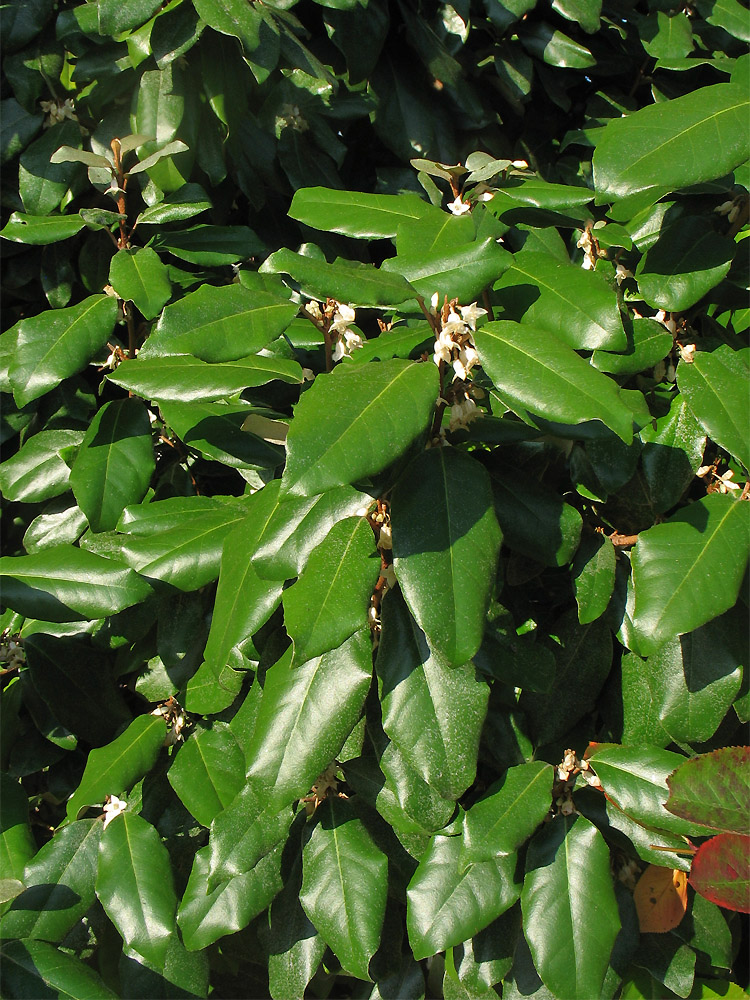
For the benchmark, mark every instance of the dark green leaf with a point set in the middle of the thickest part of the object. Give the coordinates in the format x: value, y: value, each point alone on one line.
x: 114, y: 464
x: 38, y: 471
x: 295, y: 947
x: 38, y: 970
x: 460, y: 272
x: 352, y: 213
x: 17, y: 844
x: 39, y: 230
x: 508, y: 813
x: 116, y: 16
x: 207, y: 772
x: 555, y: 48
x: 218, y: 432
x: 358, y: 285
x: 685, y: 263
x: 672, y: 452
x: 647, y: 346
x: 713, y: 386
x: 567, y: 882
x: 139, y: 276
x: 446, y: 564
x: 186, y: 202
x: 41, y: 183
x: 210, y: 245
x: 593, y: 573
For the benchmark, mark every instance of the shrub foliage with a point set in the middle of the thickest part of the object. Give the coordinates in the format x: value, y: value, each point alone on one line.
x: 376, y: 435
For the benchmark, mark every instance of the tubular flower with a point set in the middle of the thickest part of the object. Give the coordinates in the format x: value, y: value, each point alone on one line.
x: 347, y: 340
x: 455, y: 342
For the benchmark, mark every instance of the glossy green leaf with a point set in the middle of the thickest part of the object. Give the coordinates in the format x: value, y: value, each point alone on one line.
x: 59, y: 885
x: 341, y: 422
x: 713, y: 386
x: 344, y: 885
x: 695, y: 678
x: 207, y: 772
x: 40, y: 230
x: 244, y: 602
x: 219, y: 324
x: 648, y: 344
x: 17, y: 130
x: 43, y: 184
x: 139, y: 276
x: 74, y: 680
x: 669, y: 961
x: 711, y: 789
x: 535, y: 520
x: 176, y: 146
x: 432, y: 709
x: 134, y: 885
x: 688, y: 569
x: 186, y: 379
x: 210, y: 245
x: 38, y: 471
x: 217, y: 431
x: 577, y: 306
x: 669, y: 146
x: 357, y: 285
x: 685, y: 263
x: 115, y: 17
x: 508, y: 813
x: 114, y: 464
x: 40, y: 970
x: 330, y: 600
x: 583, y: 661
x: 295, y: 947
x: 17, y: 844
x: 204, y: 917
x: 673, y: 448
x: 435, y: 231
x: 66, y: 584
x: 721, y: 871
x: 114, y: 769
x: 256, y: 32
x: 460, y: 272
x: 730, y: 15
x: 635, y: 779
x: 593, y: 573
x: 555, y: 48
x: 186, y: 202
x: 67, y: 154
x: 446, y: 565
x: 353, y: 213
x: 449, y: 901
x: 305, y: 715
x: 568, y: 895
x: 299, y: 525
x: 535, y: 372
x: 59, y: 343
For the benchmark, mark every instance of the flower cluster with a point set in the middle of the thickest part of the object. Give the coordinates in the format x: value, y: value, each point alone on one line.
x: 12, y: 652
x: 455, y: 342
x: 335, y: 317
x: 57, y: 112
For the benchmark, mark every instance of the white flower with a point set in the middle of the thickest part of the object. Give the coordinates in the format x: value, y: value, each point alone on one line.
x: 349, y: 341
x: 342, y: 317
x: 622, y: 273
x: 670, y: 324
x: 385, y: 541
x: 112, y: 808
x: 470, y: 314
x: 462, y: 413
x: 58, y: 111
x: 389, y: 575
x: 459, y: 207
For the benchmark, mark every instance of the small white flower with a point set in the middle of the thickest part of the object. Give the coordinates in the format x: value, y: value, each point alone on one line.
x: 459, y: 207
x: 112, y: 808
x: 724, y: 209
x: 470, y: 314
x: 389, y: 575
x: 58, y: 111
x: 687, y: 353
x: 669, y: 323
x: 342, y: 317
x: 348, y: 342
x: 520, y: 164
x: 622, y: 274
x: 462, y: 414
x: 385, y: 540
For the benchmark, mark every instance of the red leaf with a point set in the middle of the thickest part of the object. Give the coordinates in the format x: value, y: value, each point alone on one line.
x: 721, y: 871
x: 660, y: 899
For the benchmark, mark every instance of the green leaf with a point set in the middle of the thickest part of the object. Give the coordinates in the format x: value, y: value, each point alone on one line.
x: 43, y: 184
x: 344, y: 885
x: 635, y: 779
x: 67, y: 154
x: 139, y: 276
x: 721, y: 871
x: 186, y: 202
x: 219, y: 324
x: 210, y: 245
x: 582, y: 665
x: 555, y: 47
x: 508, y: 813
x: 330, y: 600
x: 299, y: 525
x: 711, y: 790
x: 73, y: 679
x: 66, y: 584
x: 17, y: 130
x: 593, y: 574
x: 295, y: 947
x: 567, y: 882
x: 114, y: 769
x: 134, y: 885
x: 534, y: 520
x: 341, y: 422
x: 38, y: 471
x: 207, y: 772
x: 669, y: 961
x: 666, y: 36
x: 449, y: 901
x: 435, y: 231
x: 114, y: 464
x: 59, y: 885
x: 536, y: 372
x: 353, y: 213
x: 446, y: 564
x: 669, y: 146
x: 460, y: 272
x: 186, y: 379
x: 685, y: 263
x: 17, y: 844
x: 40, y: 230
x: 306, y: 713
x: 38, y: 969
x: 577, y: 306
x: 695, y: 678
x: 672, y: 453
x: 730, y: 15
x: 116, y: 17
x: 675, y: 563
x: 204, y: 917
x: 176, y: 146
x: 355, y: 284
x: 217, y: 431
x: 257, y: 32
x: 713, y: 386
x: 648, y: 344
x: 432, y: 710
x: 59, y: 343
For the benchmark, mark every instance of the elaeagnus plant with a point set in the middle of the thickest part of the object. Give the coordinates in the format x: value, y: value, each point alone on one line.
x: 375, y: 481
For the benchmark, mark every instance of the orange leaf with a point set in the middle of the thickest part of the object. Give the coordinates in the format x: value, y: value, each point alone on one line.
x: 660, y: 899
